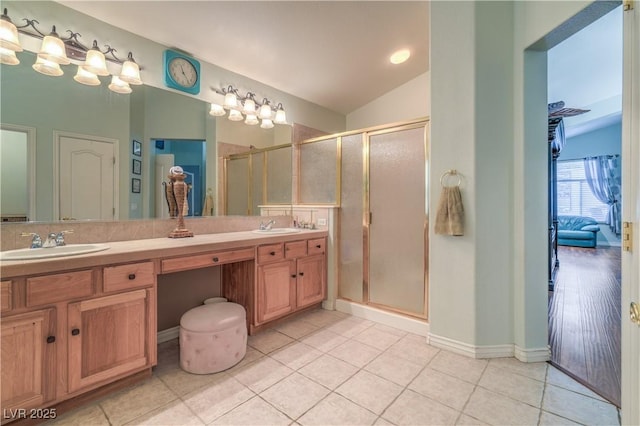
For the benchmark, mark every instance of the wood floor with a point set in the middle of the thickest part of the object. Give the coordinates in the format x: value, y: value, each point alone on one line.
x: 584, y: 318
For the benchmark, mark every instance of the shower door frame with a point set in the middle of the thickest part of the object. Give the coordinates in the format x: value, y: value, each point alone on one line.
x: 367, y: 216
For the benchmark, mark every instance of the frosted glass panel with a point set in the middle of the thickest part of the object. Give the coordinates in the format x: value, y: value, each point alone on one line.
x: 238, y: 186
x: 257, y: 177
x: 397, y: 204
x: 351, y: 231
x: 318, y: 172
x: 279, y: 176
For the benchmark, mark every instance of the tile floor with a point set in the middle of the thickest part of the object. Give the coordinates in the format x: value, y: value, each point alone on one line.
x: 329, y: 368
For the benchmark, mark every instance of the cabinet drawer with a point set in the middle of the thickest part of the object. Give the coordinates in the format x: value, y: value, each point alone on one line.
x: 124, y: 277
x: 295, y: 249
x: 58, y: 288
x: 270, y: 252
x: 205, y: 260
x: 316, y: 246
x: 5, y: 291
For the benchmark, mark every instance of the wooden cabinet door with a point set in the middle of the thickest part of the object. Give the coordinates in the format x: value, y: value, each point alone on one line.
x: 109, y: 336
x: 311, y: 280
x: 275, y: 295
x: 28, y: 360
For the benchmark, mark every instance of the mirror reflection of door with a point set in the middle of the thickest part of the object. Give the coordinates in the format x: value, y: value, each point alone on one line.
x: 86, y: 177
x: 191, y: 156
x: 17, y: 173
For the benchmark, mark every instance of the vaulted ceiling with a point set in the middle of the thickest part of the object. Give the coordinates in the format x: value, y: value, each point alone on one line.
x: 332, y: 53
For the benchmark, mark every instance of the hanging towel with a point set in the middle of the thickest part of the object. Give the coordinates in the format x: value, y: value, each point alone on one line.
x: 207, y: 209
x: 450, y: 214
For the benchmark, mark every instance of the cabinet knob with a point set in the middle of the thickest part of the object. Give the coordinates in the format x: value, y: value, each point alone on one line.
x: 301, y: 274
x: 293, y: 276
x: 51, y: 339
x: 215, y: 259
x: 318, y: 246
x: 75, y: 331
x: 273, y: 253
x: 132, y: 276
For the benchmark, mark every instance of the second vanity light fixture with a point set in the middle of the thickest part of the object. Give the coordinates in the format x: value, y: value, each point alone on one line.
x: 56, y: 51
x: 247, y: 108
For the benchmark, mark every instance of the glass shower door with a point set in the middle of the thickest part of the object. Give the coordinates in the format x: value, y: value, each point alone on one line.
x: 397, y: 202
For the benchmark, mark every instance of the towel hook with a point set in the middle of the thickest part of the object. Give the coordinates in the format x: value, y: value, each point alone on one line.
x: 451, y: 172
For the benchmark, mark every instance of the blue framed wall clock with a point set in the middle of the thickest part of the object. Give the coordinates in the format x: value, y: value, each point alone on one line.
x: 181, y: 72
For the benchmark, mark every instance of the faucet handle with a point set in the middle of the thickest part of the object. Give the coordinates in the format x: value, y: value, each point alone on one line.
x: 60, y: 237
x: 36, y: 241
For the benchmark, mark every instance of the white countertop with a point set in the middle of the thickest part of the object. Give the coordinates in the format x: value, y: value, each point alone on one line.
x: 147, y: 249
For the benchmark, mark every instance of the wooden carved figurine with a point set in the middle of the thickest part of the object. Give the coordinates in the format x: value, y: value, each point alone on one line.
x: 179, y: 192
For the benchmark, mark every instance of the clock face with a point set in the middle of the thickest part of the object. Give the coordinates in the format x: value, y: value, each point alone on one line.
x: 183, y: 72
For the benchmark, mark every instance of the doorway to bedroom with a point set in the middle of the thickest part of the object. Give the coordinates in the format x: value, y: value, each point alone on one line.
x: 585, y: 72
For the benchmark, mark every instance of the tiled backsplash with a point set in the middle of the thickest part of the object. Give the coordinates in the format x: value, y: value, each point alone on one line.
x: 108, y: 231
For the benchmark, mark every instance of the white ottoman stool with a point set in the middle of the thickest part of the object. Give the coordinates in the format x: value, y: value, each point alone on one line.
x: 213, y: 337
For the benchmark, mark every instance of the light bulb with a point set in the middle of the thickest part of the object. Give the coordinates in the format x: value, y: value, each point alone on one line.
x: 251, y: 120
x: 95, y: 63
x: 53, y: 49
x: 281, y: 116
x: 8, y: 57
x: 235, y: 115
x: 217, y: 110
x: 249, y: 106
x: 231, y: 100
x: 130, y: 71
x: 85, y: 77
x: 266, y: 123
x: 265, y: 111
x: 119, y: 86
x: 9, y: 34
x: 46, y: 67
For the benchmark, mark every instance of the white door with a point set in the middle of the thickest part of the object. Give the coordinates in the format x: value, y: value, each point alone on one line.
x: 164, y: 162
x: 631, y: 213
x: 86, y: 171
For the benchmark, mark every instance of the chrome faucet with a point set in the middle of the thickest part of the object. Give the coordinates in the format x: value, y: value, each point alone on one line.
x: 36, y: 241
x: 53, y: 239
x: 50, y: 241
x: 267, y: 226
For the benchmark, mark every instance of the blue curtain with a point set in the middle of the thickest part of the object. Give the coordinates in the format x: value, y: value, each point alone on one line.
x: 604, y: 178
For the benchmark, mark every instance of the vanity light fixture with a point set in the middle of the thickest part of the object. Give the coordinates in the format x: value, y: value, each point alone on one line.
x: 254, y: 112
x: 56, y: 51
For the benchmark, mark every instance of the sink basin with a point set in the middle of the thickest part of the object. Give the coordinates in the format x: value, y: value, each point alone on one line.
x: 276, y: 231
x: 45, y: 253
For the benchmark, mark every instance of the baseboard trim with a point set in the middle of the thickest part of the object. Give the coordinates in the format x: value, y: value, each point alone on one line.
x: 533, y: 355
x: 391, y: 319
x: 490, y: 351
x: 472, y: 351
x: 169, y: 334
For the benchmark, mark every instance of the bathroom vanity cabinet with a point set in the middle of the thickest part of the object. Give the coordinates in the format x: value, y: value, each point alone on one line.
x: 83, y: 325
x: 64, y: 334
x: 291, y: 276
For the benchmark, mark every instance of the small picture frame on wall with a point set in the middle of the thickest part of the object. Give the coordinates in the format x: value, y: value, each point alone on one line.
x: 137, y: 167
x: 135, y: 185
x: 137, y: 148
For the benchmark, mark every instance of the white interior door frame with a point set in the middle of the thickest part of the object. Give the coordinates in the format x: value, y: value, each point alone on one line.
x: 631, y: 212
x: 31, y: 163
x: 57, y: 136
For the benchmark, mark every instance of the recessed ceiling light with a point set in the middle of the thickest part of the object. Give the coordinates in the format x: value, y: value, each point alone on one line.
x: 399, y: 56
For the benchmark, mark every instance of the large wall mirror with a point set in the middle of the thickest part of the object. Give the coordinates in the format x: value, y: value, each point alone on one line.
x: 66, y: 121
